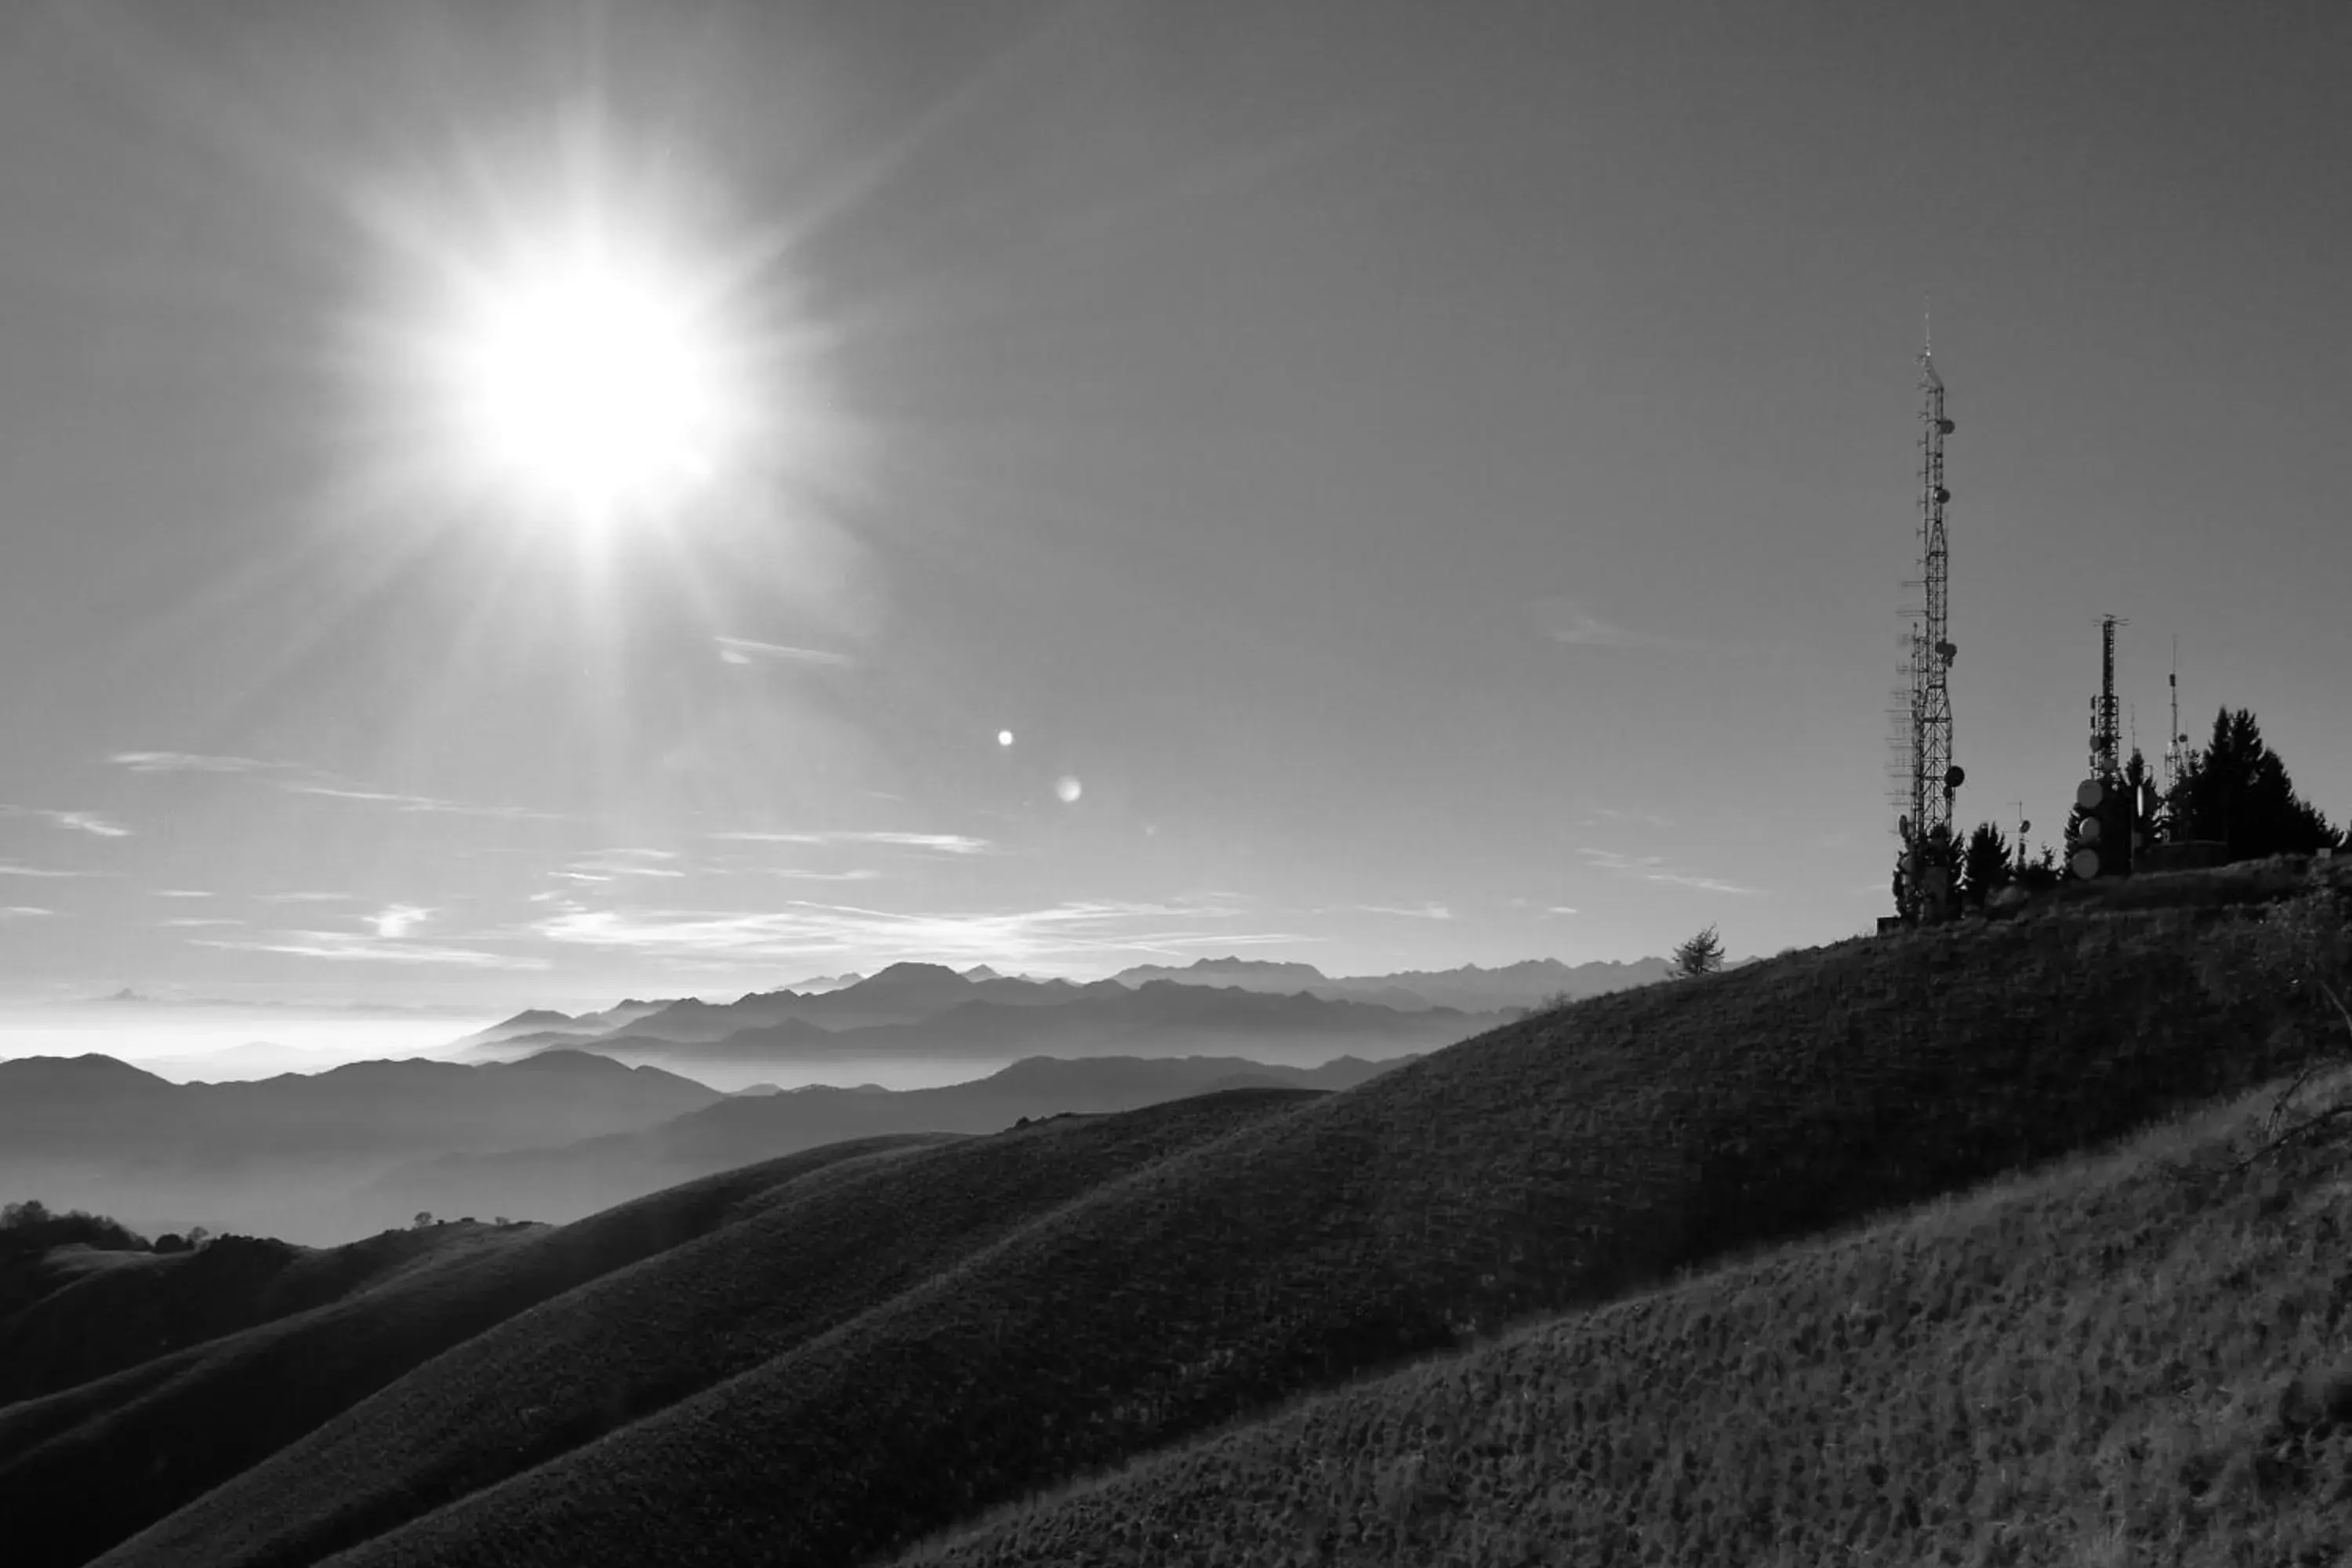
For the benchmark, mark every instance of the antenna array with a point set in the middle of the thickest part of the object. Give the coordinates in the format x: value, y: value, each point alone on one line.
x: 1920, y: 762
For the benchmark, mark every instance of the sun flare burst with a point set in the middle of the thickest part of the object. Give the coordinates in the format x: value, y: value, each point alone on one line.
x: 577, y: 349
x: 591, y: 379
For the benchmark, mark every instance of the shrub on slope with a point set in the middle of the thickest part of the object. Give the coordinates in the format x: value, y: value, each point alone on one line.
x: 1547, y: 1165
x: 85, y: 1467
x: 2133, y: 1358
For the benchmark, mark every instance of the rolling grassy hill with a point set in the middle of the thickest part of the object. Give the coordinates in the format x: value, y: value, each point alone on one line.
x: 155, y: 1436
x: 1551, y: 1165
x: 2138, y: 1356
x: 79, y: 1314
x: 572, y: 1180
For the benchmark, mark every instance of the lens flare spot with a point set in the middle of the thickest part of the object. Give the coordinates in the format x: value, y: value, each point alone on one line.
x: 1004, y: 737
x: 1068, y: 788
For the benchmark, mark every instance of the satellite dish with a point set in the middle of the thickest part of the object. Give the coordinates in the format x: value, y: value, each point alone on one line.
x: 2089, y: 793
x: 1954, y: 777
x: 2089, y: 831
x: 1903, y: 824
x: 1946, y: 426
x: 2084, y: 864
x: 2024, y: 828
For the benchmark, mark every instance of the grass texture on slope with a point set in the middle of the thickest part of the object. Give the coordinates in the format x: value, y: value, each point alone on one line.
x: 2139, y: 1357
x: 83, y: 1469
x: 106, y: 1311
x: 1545, y: 1166
x: 802, y: 1260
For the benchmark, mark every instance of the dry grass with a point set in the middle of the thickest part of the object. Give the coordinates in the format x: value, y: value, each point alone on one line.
x: 2135, y: 1359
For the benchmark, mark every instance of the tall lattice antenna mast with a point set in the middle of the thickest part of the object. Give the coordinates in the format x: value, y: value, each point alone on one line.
x: 2173, y: 737
x: 1926, y: 824
x: 2106, y: 742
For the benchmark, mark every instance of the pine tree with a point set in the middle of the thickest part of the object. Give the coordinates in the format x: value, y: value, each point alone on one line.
x: 2236, y: 791
x: 1700, y: 954
x: 1985, y: 866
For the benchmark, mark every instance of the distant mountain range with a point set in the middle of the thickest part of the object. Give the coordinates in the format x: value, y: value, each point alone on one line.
x: 1469, y: 988
x: 321, y: 1158
x: 276, y: 1156
x: 930, y: 1011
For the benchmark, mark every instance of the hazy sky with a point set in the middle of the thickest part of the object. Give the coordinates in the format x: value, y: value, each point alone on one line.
x: 1437, y: 476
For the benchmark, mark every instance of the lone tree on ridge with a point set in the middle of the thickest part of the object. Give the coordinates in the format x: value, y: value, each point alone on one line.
x: 1700, y: 954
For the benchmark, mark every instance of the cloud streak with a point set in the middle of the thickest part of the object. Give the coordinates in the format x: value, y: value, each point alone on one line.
x: 188, y: 762
x: 1565, y: 622
x: 1407, y: 912
x: 416, y: 803
x: 346, y: 946
x: 10, y: 869
x: 746, y: 650
x: 940, y: 842
x: 1653, y: 868
x: 88, y: 822
x: 805, y: 929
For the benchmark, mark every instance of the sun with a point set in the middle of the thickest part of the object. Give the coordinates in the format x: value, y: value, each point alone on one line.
x: 590, y: 377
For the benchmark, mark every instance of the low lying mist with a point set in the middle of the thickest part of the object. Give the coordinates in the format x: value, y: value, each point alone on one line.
x: 225, y: 1042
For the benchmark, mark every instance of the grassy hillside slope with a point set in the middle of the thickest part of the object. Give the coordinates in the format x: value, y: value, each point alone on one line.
x: 567, y: 1182
x: 2139, y: 1357
x: 151, y: 1437
x: 78, y: 1315
x: 799, y: 1261
x: 1545, y: 1167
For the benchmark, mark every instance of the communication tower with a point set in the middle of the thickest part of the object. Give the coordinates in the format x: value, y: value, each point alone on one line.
x: 2106, y: 737
x: 1927, y: 776
x: 2175, y: 740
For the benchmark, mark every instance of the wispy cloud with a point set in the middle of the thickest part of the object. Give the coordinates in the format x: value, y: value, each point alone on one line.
x: 190, y: 923
x: 619, y: 863
x: 1409, y: 911
x: 74, y: 821
x: 861, y: 874
x: 417, y: 803
x: 302, y: 898
x: 745, y: 650
x: 181, y: 893
x: 1653, y: 868
x: 1642, y: 818
x: 10, y: 869
x: 188, y: 762
x: 1564, y: 621
x: 22, y: 911
x: 944, y: 843
x: 396, y: 921
x: 1559, y: 909
x: 812, y: 929
x: 346, y: 945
